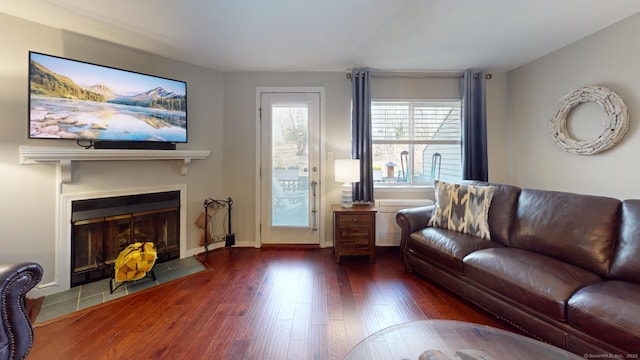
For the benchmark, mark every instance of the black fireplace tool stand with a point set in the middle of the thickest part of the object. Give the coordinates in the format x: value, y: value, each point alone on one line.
x: 229, y: 237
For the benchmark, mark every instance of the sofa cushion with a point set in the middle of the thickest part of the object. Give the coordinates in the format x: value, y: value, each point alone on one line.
x: 626, y: 263
x: 463, y: 208
x: 578, y: 229
x: 609, y: 311
x: 445, y: 248
x: 536, y: 281
x: 502, y: 210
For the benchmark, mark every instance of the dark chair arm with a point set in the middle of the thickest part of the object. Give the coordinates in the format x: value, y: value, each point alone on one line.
x: 412, y: 220
x: 16, y: 334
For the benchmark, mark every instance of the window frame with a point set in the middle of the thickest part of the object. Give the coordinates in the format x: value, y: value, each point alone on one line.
x: 412, y: 141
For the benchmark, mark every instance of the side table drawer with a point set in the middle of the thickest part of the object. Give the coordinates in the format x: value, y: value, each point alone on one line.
x: 352, y: 241
x: 354, y: 232
x: 354, y: 219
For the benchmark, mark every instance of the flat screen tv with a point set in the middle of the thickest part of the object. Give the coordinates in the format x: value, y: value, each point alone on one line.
x: 71, y: 99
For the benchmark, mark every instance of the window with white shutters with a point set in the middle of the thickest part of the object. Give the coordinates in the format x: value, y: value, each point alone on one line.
x: 416, y: 142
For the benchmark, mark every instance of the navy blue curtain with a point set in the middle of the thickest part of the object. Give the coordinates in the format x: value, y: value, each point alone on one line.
x: 474, y: 126
x: 361, y: 133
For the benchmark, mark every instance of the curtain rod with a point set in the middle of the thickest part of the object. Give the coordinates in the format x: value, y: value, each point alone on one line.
x: 416, y: 75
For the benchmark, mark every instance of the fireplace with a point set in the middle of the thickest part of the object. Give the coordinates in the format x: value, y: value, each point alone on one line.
x: 102, y: 227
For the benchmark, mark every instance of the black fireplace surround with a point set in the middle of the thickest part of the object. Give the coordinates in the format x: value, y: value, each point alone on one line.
x: 103, y: 227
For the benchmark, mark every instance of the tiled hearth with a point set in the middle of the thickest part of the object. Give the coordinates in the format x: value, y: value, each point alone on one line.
x: 84, y: 296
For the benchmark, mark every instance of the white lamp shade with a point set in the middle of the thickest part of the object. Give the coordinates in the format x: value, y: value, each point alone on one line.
x: 347, y: 170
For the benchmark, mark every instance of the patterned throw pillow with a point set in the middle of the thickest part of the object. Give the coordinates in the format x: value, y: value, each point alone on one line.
x: 463, y: 208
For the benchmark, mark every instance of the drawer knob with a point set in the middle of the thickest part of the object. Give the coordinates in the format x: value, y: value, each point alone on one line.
x: 354, y: 220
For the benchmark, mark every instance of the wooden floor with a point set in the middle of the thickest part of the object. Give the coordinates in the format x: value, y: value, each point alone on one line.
x: 270, y: 303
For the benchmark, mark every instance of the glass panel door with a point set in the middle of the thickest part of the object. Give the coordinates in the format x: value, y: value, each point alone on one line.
x: 290, y: 167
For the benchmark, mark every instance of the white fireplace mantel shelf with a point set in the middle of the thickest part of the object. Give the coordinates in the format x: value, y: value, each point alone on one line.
x: 65, y: 156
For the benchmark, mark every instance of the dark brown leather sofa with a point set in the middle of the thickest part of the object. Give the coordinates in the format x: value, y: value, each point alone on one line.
x: 16, y: 334
x: 563, y: 267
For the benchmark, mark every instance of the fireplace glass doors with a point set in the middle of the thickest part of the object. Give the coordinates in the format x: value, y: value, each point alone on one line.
x: 103, y: 227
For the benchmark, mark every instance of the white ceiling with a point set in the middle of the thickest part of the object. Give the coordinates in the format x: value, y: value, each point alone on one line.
x: 328, y: 35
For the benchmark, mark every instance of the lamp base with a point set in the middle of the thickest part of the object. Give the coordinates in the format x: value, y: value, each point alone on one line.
x: 347, y: 196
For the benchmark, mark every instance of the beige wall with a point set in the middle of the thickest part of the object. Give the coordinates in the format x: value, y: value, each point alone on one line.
x: 28, y: 199
x: 607, y: 58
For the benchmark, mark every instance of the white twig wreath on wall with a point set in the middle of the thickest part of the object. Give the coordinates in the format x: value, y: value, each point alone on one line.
x: 616, y: 124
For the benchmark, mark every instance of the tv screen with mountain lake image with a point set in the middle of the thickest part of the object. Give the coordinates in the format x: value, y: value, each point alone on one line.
x: 70, y: 99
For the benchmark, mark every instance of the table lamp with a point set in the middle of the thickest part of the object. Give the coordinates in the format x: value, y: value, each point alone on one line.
x: 347, y: 171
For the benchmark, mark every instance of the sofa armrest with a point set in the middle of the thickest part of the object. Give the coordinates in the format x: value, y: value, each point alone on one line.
x: 411, y: 220
x: 16, y: 333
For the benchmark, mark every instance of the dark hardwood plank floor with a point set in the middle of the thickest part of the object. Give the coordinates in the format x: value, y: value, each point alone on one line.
x: 269, y: 303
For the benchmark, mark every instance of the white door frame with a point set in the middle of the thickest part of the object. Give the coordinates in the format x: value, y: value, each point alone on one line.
x: 258, y: 135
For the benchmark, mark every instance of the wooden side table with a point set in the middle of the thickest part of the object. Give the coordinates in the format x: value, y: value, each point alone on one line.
x: 354, y: 231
